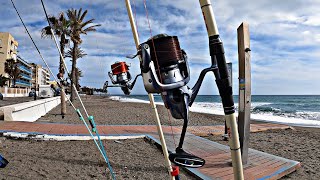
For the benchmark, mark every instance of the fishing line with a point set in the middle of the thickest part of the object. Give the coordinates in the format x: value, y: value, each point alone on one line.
x: 101, y: 151
x: 64, y: 63
x: 135, y: 17
x: 157, y: 64
x: 90, y: 118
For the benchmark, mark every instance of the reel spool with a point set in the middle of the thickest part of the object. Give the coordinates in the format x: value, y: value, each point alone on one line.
x: 165, y: 70
x: 121, y: 72
x: 120, y: 77
x: 164, y: 64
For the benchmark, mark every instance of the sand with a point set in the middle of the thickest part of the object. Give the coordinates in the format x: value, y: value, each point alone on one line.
x: 111, y: 112
x: 130, y: 159
x: 300, y: 144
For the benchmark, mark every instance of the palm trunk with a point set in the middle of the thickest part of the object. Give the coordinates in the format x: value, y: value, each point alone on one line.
x: 61, y: 70
x: 77, y: 80
x: 73, y: 71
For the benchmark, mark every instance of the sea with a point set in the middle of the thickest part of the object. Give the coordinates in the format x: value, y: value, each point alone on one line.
x: 296, y: 110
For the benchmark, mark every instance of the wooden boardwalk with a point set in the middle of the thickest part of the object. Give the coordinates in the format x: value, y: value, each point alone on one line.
x: 261, y: 165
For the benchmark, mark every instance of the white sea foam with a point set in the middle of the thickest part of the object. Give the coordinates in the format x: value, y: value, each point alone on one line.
x: 216, y: 108
x: 133, y: 100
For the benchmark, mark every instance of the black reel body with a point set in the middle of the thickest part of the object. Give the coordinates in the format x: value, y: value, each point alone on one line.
x: 165, y: 70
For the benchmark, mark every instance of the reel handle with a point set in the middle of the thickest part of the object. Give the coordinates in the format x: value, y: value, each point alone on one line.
x: 134, y: 82
x: 198, y: 84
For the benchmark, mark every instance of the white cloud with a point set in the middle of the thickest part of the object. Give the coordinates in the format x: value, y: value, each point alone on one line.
x: 285, y: 38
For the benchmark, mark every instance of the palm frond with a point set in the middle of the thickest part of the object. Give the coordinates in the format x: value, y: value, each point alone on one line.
x: 86, y: 23
x: 79, y: 53
x: 79, y: 13
x: 91, y: 28
x: 83, y: 15
x: 46, y: 32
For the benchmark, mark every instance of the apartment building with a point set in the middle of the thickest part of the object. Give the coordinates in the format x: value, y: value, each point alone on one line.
x: 8, y: 49
x: 25, y: 74
x: 40, y: 75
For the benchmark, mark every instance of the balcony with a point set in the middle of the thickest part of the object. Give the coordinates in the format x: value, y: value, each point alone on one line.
x: 24, y: 83
x: 23, y: 68
x: 26, y: 77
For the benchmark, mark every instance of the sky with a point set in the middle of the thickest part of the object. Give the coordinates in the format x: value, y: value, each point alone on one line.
x: 285, y: 39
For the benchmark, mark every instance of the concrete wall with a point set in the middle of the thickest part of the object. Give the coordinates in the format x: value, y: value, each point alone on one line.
x: 29, y: 111
x: 14, y: 92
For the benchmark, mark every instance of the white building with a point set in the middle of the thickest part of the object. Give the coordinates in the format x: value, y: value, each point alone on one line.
x: 40, y: 75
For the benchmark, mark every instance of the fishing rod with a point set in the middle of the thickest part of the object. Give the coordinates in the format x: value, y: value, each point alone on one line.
x: 120, y: 77
x: 224, y: 85
x: 165, y: 70
x: 173, y: 170
x: 90, y: 118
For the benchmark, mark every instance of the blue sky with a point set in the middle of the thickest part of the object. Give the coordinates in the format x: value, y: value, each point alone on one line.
x: 285, y: 38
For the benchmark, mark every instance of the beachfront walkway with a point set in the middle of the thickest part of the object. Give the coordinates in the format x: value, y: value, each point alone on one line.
x: 261, y: 165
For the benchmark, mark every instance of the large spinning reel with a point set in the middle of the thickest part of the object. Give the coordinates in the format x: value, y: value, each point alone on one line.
x: 120, y: 77
x: 165, y: 70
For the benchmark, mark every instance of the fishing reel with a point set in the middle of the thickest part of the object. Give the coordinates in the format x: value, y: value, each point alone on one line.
x: 165, y: 70
x: 120, y: 77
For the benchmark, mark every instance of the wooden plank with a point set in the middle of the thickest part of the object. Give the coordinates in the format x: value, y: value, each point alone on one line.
x: 270, y: 169
x: 279, y: 171
x: 262, y: 164
x: 244, y: 89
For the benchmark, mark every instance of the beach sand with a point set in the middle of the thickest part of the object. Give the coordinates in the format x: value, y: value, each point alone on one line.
x: 300, y: 144
x: 112, y: 112
x: 130, y: 159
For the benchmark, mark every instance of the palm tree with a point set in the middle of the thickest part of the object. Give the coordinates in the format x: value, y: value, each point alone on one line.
x: 60, y: 27
x: 79, y: 53
x: 3, y: 80
x: 78, y: 75
x: 77, y: 27
x: 12, y: 69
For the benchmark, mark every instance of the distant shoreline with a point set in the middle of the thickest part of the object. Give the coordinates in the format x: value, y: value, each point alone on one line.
x: 254, y: 117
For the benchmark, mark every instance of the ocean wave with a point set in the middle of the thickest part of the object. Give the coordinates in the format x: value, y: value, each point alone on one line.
x: 133, y: 100
x: 261, y: 111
